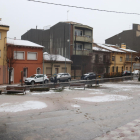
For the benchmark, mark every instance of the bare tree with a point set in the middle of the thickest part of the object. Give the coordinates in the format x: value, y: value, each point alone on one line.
x: 11, y: 58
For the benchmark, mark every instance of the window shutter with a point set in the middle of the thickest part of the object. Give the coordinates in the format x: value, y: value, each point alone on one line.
x: 32, y: 56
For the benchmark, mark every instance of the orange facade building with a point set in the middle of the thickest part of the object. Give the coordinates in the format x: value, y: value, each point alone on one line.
x: 23, y: 56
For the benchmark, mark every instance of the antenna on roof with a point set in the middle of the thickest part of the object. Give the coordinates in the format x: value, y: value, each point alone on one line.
x: 67, y: 15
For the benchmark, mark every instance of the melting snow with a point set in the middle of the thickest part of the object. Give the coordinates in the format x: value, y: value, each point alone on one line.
x: 75, y: 105
x: 105, y: 98
x: 16, y: 107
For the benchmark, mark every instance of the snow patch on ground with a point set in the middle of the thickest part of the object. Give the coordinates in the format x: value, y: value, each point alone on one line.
x: 75, y: 105
x: 16, y: 107
x: 105, y: 98
x: 97, y: 93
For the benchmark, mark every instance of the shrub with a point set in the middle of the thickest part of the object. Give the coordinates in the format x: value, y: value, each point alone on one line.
x: 40, y: 89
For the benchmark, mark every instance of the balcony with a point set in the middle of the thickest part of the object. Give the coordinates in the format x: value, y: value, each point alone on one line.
x: 129, y: 60
x: 82, y: 52
x: 84, y: 38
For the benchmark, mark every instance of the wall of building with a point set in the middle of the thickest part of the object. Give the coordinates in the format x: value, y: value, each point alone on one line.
x: 3, y: 64
x: 117, y: 63
x: 59, y: 65
x: 54, y: 40
x: 130, y: 37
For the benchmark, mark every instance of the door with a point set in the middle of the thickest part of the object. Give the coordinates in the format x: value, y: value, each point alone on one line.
x: 39, y: 78
x: 56, y: 70
x: 25, y: 71
x: 12, y: 76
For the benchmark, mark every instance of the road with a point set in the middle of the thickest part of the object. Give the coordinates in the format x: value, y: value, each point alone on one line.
x: 67, y: 117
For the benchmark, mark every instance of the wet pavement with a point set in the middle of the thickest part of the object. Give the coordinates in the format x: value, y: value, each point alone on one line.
x: 75, y: 114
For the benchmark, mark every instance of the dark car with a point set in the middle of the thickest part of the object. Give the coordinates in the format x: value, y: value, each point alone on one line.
x: 88, y: 76
x: 126, y: 72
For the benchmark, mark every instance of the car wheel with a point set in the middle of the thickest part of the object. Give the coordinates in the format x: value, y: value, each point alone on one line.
x: 32, y: 82
x: 46, y: 81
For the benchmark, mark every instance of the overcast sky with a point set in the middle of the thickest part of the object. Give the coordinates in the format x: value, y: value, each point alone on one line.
x: 22, y: 15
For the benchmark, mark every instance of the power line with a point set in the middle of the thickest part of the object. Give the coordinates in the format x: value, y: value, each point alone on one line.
x: 85, y: 8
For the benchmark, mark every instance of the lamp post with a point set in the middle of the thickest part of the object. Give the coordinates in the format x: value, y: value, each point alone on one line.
x: 65, y: 55
x: 131, y: 63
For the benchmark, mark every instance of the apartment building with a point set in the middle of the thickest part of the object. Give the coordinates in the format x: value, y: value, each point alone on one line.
x: 129, y: 37
x: 69, y: 39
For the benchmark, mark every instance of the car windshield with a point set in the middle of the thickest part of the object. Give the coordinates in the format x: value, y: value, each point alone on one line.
x: 32, y: 76
x: 86, y: 74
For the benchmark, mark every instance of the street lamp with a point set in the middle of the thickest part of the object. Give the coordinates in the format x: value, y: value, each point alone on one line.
x: 131, y: 63
x: 65, y: 55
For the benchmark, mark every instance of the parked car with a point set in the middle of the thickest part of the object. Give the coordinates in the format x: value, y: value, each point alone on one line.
x: 88, y: 76
x: 61, y: 77
x: 135, y: 72
x: 36, y: 78
x: 126, y: 72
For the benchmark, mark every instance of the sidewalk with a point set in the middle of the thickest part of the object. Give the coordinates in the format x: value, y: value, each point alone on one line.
x: 130, y: 131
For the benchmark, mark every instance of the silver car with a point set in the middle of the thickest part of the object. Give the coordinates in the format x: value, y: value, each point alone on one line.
x: 61, y: 77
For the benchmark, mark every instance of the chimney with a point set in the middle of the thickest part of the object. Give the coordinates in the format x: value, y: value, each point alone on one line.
x: 14, y: 38
x: 36, y: 27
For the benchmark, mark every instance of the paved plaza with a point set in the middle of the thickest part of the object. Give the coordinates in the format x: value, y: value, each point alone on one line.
x: 108, y: 112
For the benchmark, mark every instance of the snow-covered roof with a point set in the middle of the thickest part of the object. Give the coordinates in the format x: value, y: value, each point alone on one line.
x: 106, y: 46
x: 27, y: 43
x: 55, y: 57
x: 2, y: 24
x: 99, y: 49
x: 128, y: 50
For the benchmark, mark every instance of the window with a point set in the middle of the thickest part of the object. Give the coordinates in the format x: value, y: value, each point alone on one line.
x: 104, y: 58
x: 96, y: 58
x: 32, y: 56
x: 0, y: 53
x: 112, y: 69
x: 18, y: 55
x: 116, y: 69
x: 127, y: 57
x: 126, y: 68
x: 121, y: 59
x: 113, y: 58
x: 78, y: 32
x: 38, y: 71
x: 79, y: 46
x: 48, y: 71
x: 0, y: 35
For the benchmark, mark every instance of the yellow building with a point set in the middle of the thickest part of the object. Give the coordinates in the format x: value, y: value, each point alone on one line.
x: 3, y: 64
x: 54, y: 64
x: 120, y: 58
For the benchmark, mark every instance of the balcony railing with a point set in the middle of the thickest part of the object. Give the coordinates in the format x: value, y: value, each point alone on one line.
x: 84, y: 38
x: 129, y: 59
x: 82, y: 52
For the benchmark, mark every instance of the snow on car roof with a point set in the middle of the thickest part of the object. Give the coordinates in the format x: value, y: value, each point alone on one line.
x: 18, y: 42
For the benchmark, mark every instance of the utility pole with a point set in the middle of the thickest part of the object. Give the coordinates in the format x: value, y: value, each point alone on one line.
x: 65, y: 48
x: 74, y: 58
